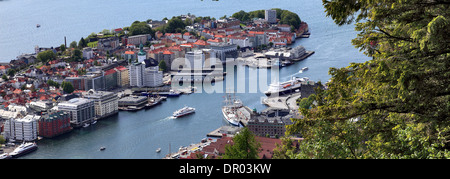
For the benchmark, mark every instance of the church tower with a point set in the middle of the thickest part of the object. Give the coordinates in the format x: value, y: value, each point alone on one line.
x: 141, y: 54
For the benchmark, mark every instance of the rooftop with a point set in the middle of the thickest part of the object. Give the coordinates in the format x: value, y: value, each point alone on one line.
x: 75, y: 102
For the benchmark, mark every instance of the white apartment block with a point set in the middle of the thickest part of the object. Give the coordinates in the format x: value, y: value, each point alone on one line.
x: 81, y: 110
x: 22, y: 129
x: 136, y: 73
x: 105, y: 102
x: 153, y: 77
x: 271, y: 16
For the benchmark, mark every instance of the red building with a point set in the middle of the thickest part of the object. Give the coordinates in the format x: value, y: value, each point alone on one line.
x: 54, y: 124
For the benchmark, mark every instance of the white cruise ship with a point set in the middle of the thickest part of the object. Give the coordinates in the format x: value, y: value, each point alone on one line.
x: 183, y: 111
x: 23, y: 149
x: 285, y: 87
x: 229, y: 111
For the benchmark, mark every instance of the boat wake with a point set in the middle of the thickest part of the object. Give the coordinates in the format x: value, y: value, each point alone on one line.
x: 168, y: 118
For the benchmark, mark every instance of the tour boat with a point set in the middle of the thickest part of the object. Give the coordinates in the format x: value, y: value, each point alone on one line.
x: 183, y: 111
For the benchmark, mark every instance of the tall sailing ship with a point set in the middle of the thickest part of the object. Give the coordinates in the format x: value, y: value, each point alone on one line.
x: 229, y: 111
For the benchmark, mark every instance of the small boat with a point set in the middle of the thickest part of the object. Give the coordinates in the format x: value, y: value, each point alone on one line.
x: 173, y: 93
x: 86, y: 125
x: 304, y: 68
x: 5, y: 156
x: 183, y: 111
x: 158, y: 150
x: 94, y: 122
x: 102, y: 148
x: 38, y: 25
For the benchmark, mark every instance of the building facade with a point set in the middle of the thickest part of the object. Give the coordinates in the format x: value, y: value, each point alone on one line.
x: 54, y: 124
x: 138, y: 39
x: 136, y: 74
x: 22, y: 129
x: 271, y: 121
x: 108, y: 44
x: 81, y: 110
x: 105, y: 103
x: 123, y: 79
x: 153, y: 77
x: 271, y: 16
x: 225, y: 51
x: 78, y: 83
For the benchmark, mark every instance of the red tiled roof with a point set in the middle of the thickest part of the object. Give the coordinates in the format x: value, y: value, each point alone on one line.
x: 201, y: 42
x: 111, y: 71
x: 215, y: 40
x: 256, y: 32
x: 166, y: 52
x: 17, y: 91
x: 121, y: 68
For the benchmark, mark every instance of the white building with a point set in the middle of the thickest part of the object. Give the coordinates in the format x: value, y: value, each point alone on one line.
x: 240, y: 41
x: 194, y: 59
x: 284, y: 28
x: 88, y: 53
x: 138, y: 39
x: 136, y: 73
x: 22, y: 129
x: 225, y: 52
x: 153, y: 77
x: 105, y: 102
x: 81, y: 110
x: 271, y: 16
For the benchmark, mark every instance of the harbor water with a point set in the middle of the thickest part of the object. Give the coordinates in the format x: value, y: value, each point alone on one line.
x: 138, y: 134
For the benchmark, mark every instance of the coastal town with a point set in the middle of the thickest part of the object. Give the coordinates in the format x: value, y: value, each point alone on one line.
x: 59, y: 89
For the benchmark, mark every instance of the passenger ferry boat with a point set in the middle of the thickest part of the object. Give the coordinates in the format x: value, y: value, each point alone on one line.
x: 183, y: 111
x: 286, y: 87
x: 23, y: 149
x: 229, y: 111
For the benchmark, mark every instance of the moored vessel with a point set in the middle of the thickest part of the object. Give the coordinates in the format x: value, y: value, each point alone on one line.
x: 23, y: 149
x: 229, y: 111
x: 286, y: 87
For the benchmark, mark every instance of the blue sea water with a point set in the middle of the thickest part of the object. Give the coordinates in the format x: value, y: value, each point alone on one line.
x: 139, y: 134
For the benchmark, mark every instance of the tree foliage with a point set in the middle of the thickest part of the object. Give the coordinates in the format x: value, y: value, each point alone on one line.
x: 138, y: 28
x: 285, y: 16
x: 290, y: 18
x: 46, y: 56
x: 395, y: 105
x: 245, y: 146
x: 241, y: 15
x: 162, y: 66
x: 53, y: 83
x: 175, y: 25
x: 67, y: 87
x: 82, y: 43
